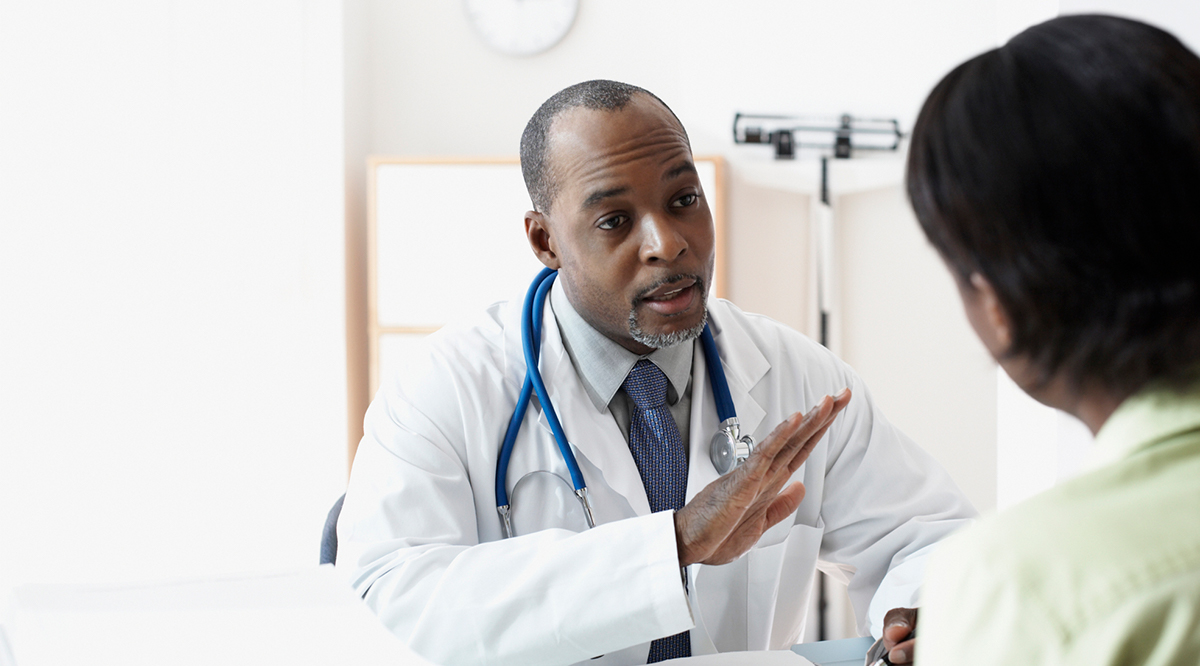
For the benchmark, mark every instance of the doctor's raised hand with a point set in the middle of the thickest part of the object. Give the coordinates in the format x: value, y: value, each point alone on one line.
x: 727, y: 517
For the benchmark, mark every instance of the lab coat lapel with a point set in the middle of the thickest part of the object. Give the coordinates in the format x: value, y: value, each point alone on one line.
x: 593, y: 434
x: 744, y: 366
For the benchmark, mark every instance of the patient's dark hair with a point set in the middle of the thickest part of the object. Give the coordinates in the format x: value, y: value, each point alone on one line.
x: 600, y: 95
x: 1064, y: 167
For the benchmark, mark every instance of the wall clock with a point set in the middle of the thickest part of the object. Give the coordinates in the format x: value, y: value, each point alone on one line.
x: 521, y: 27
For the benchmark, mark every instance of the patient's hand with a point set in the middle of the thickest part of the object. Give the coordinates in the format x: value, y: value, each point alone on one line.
x: 898, y: 625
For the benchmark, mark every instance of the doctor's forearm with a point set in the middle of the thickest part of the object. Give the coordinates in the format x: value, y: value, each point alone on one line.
x: 505, y: 601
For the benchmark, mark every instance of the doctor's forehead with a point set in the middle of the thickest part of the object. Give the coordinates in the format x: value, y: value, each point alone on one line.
x: 589, y: 146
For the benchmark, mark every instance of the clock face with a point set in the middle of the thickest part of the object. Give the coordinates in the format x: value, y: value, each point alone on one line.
x: 521, y: 27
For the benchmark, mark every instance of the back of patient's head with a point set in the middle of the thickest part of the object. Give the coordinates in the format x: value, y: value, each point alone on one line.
x: 1064, y: 168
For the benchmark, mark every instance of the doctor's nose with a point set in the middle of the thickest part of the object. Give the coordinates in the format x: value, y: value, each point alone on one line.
x: 661, y: 242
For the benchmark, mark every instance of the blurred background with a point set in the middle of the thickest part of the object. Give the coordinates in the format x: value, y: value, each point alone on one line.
x: 183, y: 215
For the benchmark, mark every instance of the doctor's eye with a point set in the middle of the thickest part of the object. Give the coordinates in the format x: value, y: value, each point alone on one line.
x: 610, y: 223
x: 685, y: 200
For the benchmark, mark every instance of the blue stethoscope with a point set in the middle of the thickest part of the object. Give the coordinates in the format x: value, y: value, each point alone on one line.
x: 728, y: 449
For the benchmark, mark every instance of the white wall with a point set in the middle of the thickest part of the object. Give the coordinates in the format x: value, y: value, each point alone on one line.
x: 437, y: 89
x: 429, y: 86
x: 1180, y: 17
x: 904, y: 331
x: 172, y: 364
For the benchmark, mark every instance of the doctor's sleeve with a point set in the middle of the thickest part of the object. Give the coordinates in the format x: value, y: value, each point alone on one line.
x: 409, y: 541
x: 886, y: 504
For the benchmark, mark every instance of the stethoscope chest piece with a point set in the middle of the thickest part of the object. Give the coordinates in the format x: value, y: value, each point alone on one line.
x: 729, y: 448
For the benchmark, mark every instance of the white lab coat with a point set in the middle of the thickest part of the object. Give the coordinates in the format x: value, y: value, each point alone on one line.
x: 421, y: 540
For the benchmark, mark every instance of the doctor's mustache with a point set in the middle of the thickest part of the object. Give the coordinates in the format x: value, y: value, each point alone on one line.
x: 679, y: 277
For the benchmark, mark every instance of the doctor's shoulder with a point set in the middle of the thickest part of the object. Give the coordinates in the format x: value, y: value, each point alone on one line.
x: 462, y: 357
x: 795, y: 358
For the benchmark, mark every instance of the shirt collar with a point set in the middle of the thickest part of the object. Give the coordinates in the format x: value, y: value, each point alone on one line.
x: 1146, y: 418
x: 603, y: 364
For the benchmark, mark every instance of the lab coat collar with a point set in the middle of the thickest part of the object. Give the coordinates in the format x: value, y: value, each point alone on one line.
x: 745, y: 365
x: 593, y: 434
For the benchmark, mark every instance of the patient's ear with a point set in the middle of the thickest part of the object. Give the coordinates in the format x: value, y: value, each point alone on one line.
x: 987, y: 315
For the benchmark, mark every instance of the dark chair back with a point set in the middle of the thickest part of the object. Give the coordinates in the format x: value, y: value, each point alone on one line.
x: 329, y: 534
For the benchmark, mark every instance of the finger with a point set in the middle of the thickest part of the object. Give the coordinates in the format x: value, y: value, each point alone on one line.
x: 839, y: 402
x: 806, y: 422
x: 704, y: 523
x: 801, y: 454
x: 895, y: 633
x: 782, y: 451
x: 817, y: 419
x: 786, y: 433
x: 903, y: 653
x: 801, y: 445
x: 758, y: 484
x: 755, y: 524
x: 898, y: 623
x: 755, y: 489
x: 779, y: 437
x: 784, y: 504
x: 842, y: 399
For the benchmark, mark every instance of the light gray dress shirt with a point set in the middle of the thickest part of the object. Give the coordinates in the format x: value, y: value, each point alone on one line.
x: 603, y: 365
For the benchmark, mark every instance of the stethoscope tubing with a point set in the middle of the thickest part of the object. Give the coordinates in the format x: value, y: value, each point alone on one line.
x: 514, y: 424
x: 716, y: 376
x: 531, y: 330
x: 539, y: 387
x: 532, y: 314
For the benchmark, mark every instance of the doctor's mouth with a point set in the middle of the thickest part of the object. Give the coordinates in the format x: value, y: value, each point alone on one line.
x: 672, y: 296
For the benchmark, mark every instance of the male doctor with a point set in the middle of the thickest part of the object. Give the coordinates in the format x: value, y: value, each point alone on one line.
x: 682, y: 560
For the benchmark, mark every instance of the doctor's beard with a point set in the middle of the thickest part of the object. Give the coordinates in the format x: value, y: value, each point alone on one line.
x: 664, y: 340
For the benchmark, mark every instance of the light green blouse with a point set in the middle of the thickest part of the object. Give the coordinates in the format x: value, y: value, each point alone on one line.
x: 1103, y: 569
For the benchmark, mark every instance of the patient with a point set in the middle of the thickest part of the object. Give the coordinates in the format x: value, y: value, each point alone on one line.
x: 1059, y: 178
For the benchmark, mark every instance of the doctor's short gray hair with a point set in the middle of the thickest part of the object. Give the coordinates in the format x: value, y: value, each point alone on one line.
x: 600, y: 95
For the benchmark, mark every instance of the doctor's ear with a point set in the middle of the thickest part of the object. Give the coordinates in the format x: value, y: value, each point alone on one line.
x: 537, y: 230
x: 989, y: 317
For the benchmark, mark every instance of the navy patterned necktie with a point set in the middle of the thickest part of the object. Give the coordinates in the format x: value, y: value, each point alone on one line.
x: 662, y: 463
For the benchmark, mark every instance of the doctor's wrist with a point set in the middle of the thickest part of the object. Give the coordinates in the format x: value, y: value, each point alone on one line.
x: 683, y: 575
x: 680, y: 548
